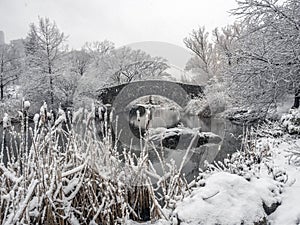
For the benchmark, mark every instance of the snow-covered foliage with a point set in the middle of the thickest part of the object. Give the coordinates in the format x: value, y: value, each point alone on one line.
x: 213, y: 102
x: 264, y: 67
x: 198, y: 106
x: 9, y: 106
x: 244, y: 189
x: 291, y: 121
x: 10, y: 68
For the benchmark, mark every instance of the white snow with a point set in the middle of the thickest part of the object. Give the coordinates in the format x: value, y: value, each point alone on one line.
x: 61, y: 118
x: 156, y: 134
x: 26, y: 105
x: 72, y: 171
x: 226, y: 199
x: 36, y: 118
x: 289, y: 211
x: 6, y: 121
x: 10, y: 174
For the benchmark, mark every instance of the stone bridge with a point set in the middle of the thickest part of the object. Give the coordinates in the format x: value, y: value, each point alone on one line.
x: 126, y: 93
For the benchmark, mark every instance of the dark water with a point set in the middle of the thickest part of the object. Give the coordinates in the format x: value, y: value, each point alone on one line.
x: 196, y: 157
x: 231, y: 141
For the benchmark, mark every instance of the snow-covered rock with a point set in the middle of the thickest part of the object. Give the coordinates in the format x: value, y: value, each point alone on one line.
x: 170, y: 137
x: 228, y: 199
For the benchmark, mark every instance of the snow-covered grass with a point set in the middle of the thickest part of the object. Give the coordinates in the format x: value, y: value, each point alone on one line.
x: 62, y: 172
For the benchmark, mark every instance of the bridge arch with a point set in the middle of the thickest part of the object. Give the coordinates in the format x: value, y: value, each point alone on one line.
x: 121, y: 96
x: 138, y: 89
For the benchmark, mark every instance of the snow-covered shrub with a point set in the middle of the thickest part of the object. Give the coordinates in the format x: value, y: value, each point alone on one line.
x: 291, y: 121
x: 247, y: 161
x: 9, y: 106
x: 216, y: 97
x: 198, y: 106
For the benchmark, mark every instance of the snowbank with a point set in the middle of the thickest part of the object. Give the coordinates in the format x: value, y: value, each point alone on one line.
x: 227, y: 199
x: 284, y: 150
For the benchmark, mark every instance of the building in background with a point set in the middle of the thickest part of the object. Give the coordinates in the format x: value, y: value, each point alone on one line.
x: 2, y: 40
x: 18, y: 44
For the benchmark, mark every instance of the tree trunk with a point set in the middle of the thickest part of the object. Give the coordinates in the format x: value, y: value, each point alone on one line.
x: 296, y: 99
x: 1, y: 82
x: 2, y: 91
x: 51, y: 90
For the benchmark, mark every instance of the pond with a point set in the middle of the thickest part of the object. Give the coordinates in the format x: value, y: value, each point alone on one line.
x: 228, y: 132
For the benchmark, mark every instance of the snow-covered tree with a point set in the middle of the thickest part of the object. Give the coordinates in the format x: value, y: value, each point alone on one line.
x: 80, y: 61
x: 117, y: 66
x: 98, y: 49
x: 268, y: 52
x: 125, y: 65
x: 225, y: 43
x: 10, y: 66
x: 44, y: 48
x: 204, y: 61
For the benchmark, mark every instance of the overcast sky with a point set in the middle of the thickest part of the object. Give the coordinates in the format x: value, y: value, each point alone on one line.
x: 120, y: 21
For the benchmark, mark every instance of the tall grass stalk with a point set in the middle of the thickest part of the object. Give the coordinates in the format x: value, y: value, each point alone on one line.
x: 64, y: 172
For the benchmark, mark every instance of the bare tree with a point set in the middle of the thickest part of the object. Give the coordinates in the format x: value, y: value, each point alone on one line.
x: 9, y: 66
x: 80, y: 61
x: 98, y: 49
x: 225, y: 39
x: 124, y: 65
x: 198, y: 42
x: 44, y: 49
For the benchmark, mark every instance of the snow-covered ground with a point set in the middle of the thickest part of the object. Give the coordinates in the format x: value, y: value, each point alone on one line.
x: 268, y: 195
x: 289, y: 211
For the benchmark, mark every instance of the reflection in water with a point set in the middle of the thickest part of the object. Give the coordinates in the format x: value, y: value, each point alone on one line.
x: 230, y: 134
x: 211, y: 152
x: 197, y: 156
